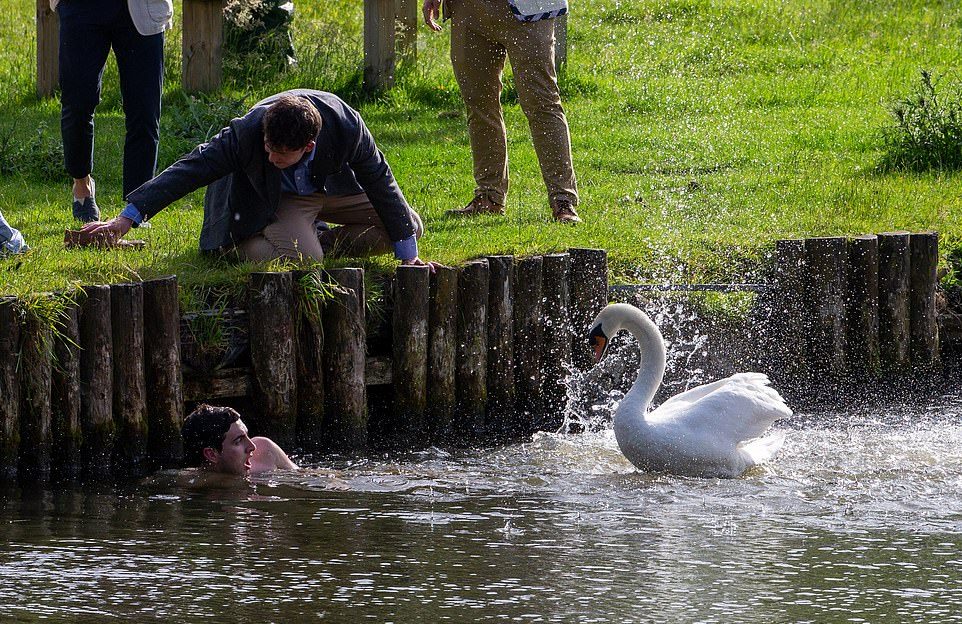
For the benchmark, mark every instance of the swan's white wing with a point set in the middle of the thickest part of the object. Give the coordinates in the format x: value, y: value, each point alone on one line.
x: 736, y: 409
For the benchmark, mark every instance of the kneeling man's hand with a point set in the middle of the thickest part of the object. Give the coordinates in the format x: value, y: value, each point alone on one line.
x: 415, y: 261
x: 111, y: 230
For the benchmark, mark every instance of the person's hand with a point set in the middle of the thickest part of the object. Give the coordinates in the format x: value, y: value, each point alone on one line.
x: 108, y: 231
x: 415, y: 261
x: 432, y: 11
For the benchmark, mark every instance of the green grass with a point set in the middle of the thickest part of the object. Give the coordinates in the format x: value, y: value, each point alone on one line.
x: 702, y: 130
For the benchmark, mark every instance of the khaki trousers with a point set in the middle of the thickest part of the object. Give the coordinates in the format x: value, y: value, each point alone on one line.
x: 483, y: 32
x: 293, y: 235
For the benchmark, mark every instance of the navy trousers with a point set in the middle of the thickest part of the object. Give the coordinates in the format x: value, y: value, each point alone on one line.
x: 88, y: 31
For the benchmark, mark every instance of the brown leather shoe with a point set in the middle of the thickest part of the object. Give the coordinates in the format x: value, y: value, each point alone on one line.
x: 564, y: 211
x: 478, y: 206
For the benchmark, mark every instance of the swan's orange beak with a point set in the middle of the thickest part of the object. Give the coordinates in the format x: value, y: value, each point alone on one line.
x: 599, y: 346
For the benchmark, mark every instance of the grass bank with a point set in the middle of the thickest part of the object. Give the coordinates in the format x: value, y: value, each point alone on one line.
x: 702, y: 131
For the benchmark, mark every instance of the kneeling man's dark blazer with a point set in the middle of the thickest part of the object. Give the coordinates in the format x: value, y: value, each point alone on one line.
x: 245, y: 188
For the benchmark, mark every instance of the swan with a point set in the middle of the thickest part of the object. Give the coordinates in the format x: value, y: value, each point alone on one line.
x: 713, y: 430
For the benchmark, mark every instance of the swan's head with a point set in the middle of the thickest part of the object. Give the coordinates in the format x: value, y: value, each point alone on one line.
x: 611, y: 320
x: 598, y: 340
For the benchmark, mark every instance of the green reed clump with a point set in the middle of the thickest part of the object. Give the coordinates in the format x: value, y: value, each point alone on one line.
x: 38, y: 155
x: 197, y: 118
x: 927, y: 133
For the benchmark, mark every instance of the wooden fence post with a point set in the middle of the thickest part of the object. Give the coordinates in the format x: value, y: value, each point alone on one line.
x: 410, y: 352
x: 36, y: 355
x: 442, y: 350
x: 203, y: 44
x: 310, y: 370
x: 825, y: 294
x: 345, y: 414
x: 500, y: 374
x: 379, y: 56
x: 165, y: 387
x: 528, y: 343
x: 924, y: 323
x: 894, y: 311
x: 96, y: 383
x: 408, y: 12
x: 589, y: 294
x: 9, y: 388
x: 130, y: 387
x: 557, y: 337
x: 48, y: 49
x: 65, y: 399
x: 271, y: 307
x: 862, y: 341
x: 789, y: 362
x: 472, y: 341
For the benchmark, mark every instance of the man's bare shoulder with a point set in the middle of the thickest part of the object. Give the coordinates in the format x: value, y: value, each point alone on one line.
x: 269, y: 456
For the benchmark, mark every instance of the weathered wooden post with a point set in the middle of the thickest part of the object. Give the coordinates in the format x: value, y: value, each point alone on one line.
x: 165, y: 388
x: 203, y: 44
x: 345, y: 412
x: 36, y: 354
x: 500, y: 374
x: 310, y: 348
x: 528, y: 343
x: 410, y: 352
x: 924, y: 325
x: 130, y: 387
x: 442, y: 350
x: 472, y: 361
x: 862, y: 341
x: 96, y: 383
x: 271, y: 307
x: 894, y: 311
x: 65, y: 398
x: 48, y: 47
x: 825, y: 294
x: 379, y: 56
x: 557, y: 339
x: 9, y: 388
x: 408, y: 12
x: 789, y: 364
x: 588, y: 285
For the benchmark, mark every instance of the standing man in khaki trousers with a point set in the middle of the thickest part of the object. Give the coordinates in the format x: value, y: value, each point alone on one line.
x: 483, y: 33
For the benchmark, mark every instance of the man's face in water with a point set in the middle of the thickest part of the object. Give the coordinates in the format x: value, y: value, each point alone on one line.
x: 284, y: 158
x: 235, y: 453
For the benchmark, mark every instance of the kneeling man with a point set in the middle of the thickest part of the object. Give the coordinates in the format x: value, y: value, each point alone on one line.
x: 277, y: 176
x: 216, y: 441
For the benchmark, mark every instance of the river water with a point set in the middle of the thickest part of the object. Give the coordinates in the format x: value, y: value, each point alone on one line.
x: 858, y: 519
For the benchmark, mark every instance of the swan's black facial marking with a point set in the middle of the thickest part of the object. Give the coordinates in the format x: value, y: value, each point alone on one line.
x: 598, y: 341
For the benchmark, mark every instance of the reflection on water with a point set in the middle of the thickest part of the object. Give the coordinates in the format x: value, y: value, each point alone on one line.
x: 858, y: 519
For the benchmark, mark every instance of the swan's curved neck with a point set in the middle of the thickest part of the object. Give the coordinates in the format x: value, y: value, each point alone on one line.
x: 651, y: 370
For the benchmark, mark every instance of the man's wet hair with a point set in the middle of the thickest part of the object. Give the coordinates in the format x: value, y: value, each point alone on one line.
x: 290, y: 123
x: 206, y: 427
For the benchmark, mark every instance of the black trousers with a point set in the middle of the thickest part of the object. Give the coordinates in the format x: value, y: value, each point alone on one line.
x: 88, y: 31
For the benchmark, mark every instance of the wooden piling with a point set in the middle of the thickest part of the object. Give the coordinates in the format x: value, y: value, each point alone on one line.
x: 130, y: 386
x: 96, y: 383
x: 271, y: 314
x: 9, y: 389
x: 48, y: 49
x: 472, y: 361
x: 862, y: 340
x: 588, y: 285
x: 557, y: 339
x: 825, y: 294
x: 308, y: 288
x: 442, y: 351
x: 65, y: 398
x: 410, y: 352
x: 787, y: 343
x: 36, y: 354
x: 379, y: 37
x: 203, y: 44
x: 164, y: 387
x: 894, y: 309
x: 528, y: 343
x: 924, y: 326
x: 500, y: 373
x: 345, y: 411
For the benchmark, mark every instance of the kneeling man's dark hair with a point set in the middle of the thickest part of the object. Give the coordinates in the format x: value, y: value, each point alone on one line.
x: 205, y: 427
x: 290, y: 123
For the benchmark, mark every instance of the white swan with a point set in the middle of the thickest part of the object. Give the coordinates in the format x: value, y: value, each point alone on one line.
x: 714, y: 430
